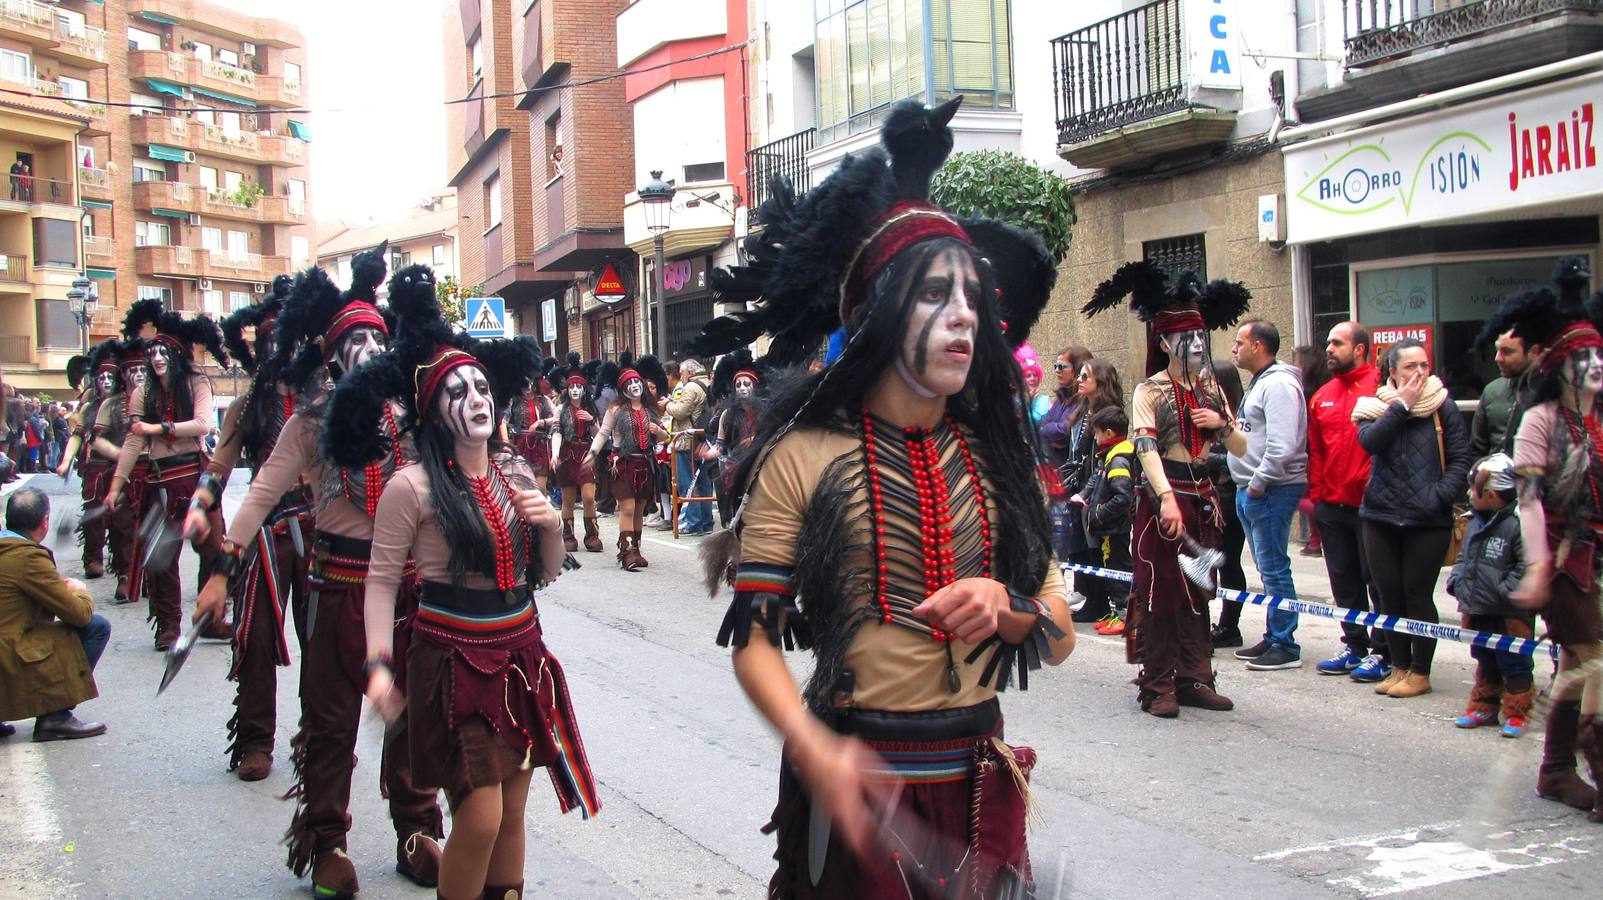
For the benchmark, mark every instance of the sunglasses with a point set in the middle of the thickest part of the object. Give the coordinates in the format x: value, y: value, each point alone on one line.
x: 1060, y: 366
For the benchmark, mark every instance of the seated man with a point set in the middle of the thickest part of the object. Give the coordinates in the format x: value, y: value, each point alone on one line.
x: 46, y: 665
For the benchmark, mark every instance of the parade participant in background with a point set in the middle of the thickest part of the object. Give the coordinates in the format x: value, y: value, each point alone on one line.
x: 273, y: 584
x: 167, y: 419
x: 738, y: 399
x: 1175, y: 414
x: 900, y: 505
x: 529, y: 424
x: 112, y: 424
x: 689, y: 411
x: 1030, y: 368
x: 630, y: 423
x: 485, y: 700
x: 576, y: 426
x: 320, y: 336
x: 1558, y: 456
x: 95, y: 457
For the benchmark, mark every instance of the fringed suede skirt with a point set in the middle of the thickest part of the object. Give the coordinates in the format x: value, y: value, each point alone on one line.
x: 632, y: 477
x: 571, y: 471
x: 486, y: 699
x: 956, y: 825
x: 535, y: 448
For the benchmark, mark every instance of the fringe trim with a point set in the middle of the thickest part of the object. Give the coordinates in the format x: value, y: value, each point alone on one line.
x: 1025, y: 657
x: 782, y: 621
x: 235, y: 752
x: 299, y: 838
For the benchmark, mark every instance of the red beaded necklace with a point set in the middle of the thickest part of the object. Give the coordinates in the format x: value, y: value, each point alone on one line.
x: 490, y: 507
x: 642, y: 434
x: 1184, y: 402
x: 289, y: 406
x: 1587, y: 429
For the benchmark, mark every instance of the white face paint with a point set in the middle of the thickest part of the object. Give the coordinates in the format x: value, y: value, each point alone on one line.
x: 160, y: 358
x: 576, y: 392
x: 938, y: 346
x: 1189, y: 347
x: 1584, y: 370
x: 634, y: 388
x: 136, y: 377
x: 358, y: 345
x: 744, y: 388
x: 464, y: 404
x: 106, y: 383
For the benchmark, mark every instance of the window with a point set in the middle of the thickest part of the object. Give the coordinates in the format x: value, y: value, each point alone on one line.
x: 86, y: 157
x: 203, y: 51
x: 705, y: 172
x: 165, y: 295
x: 208, y: 178
x: 146, y: 105
x: 232, y: 181
x: 400, y: 259
x: 238, y: 300
x: 292, y: 73
x: 871, y: 53
x: 88, y: 226
x: 230, y: 123
x: 212, y: 302
x: 1178, y: 254
x: 297, y: 196
x: 553, y: 143
x: 439, y: 255
x: 56, y: 326
x: 139, y: 39
x: 342, y: 270
x: 492, y: 202
x: 152, y: 234
x: 71, y: 22
x: 238, y: 245
x: 300, y: 251
x: 149, y: 170
x: 55, y: 243
x: 206, y: 116
x: 228, y: 57
x: 475, y: 60
x: 211, y: 239
x: 75, y: 88
x: 17, y: 67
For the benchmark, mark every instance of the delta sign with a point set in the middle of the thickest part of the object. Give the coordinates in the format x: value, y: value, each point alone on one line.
x: 1494, y: 155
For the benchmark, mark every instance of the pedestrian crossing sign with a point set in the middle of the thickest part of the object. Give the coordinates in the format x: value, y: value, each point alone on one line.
x: 486, y: 316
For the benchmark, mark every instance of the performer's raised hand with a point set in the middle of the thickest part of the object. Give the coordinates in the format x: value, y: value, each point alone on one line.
x: 535, y: 508
x: 1169, y: 521
x: 584, y: 416
x: 196, y: 525
x: 967, y: 608
x: 1207, y: 419
x: 211, y: 598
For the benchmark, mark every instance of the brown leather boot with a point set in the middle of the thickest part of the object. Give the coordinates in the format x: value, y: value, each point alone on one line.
x: 1384, y: 686
x: 569, y: 542
x: 1556, y: 779
x: 1191, y: 692
x: 1591, y: 741
x: 639, y: 562
x: 333, y: 875
x: 503, y: 891
x: 120, y: 595
x: 418, y: 858
x: 1414, y: 684
x: 625, y: 556
x: 256, y: 765
x: 94, y: 570
x: 592, y: 535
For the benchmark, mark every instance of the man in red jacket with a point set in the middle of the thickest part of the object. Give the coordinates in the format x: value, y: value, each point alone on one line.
x: 1338, y: 471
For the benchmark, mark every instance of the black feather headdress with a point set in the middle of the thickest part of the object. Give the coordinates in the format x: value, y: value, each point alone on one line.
x: 260, y: 316
x: 723, y: 374
x: 317, y: 314
x: 1562, y: 322
x: 650, y: 368
x: 1185, y: 305
x: 173, y: 329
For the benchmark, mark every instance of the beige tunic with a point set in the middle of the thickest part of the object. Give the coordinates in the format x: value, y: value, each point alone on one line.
x: 186, y: 436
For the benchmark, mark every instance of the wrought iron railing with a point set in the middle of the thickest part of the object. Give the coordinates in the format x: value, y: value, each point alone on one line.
x: 1120, y: 70
x: 786, y: 157
x: 1377, y: 30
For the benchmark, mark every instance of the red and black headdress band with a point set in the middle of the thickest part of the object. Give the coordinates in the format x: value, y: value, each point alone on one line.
x: 748, y: 373
x: 628, y: 375
x: 903, y: 225
x: 172, y: 342
x: 1570, y: 340
x: 428, y: 377
x: 576, y: 377
x: 356, y: 314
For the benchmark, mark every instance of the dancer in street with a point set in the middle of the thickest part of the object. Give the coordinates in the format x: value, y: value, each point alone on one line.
x: 529, y: 424
x: 329, y: 334
x: 169, y: 416
x: 1175, y: 414
x: 577, y: 423
x: 738, y: 402
x: 630, y: 423
x: 891, y: 517
x: 111, y: 425
x: 100, y: 376
x: 485, y: 700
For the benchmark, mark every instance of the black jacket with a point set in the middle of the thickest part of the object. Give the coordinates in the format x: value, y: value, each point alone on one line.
x: 1409, y: 485
x: 1110, y: 494
x: 1490, y: 565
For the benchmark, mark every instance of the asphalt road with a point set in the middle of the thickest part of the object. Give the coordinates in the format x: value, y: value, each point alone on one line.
x: 1313, y: 787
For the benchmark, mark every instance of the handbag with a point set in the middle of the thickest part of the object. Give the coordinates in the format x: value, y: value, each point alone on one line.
x: 1455, y: 543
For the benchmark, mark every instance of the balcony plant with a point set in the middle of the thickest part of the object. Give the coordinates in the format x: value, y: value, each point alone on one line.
x: 248, y: 194
x: 452, y: 297
x: 1009, y: 187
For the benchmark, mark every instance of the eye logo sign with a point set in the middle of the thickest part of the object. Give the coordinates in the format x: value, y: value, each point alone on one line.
x: 1366, y: 178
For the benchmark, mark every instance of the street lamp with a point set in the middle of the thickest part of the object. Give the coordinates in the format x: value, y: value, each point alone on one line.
x: 657, y: 197
x: 83, y: 299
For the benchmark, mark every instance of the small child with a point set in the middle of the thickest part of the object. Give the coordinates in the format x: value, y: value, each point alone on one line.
x: 1488, y: 570
x: 1109, y: 500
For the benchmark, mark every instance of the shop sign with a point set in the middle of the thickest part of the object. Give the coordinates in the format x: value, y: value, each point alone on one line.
x: 684, y: 276
x: 1384, y: 338
x: 1518, y: 149
x: 609, y: 286
x: 1215, y: 44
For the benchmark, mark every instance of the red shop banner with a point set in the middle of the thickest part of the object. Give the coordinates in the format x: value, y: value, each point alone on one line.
x: 1384, y: 338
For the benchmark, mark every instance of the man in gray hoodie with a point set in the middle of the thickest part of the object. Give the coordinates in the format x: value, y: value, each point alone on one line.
x: 1271, y: 479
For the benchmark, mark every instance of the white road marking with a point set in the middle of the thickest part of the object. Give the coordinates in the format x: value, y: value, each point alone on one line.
x: 30, y: 801
x: 677, y: 545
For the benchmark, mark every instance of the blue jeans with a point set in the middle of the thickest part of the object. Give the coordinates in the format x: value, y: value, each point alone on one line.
x: 1267, y: 521
x: 94, y: 638
x: 691, y: 483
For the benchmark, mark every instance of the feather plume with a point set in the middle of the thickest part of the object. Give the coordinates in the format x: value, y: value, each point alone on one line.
x: 1023, y: 271
x: 367, y: 272
x: 77, y: 368
x: 1143, y: 282
x: 1223, y: 302
x: 650, y: 368
x: 352, y: 435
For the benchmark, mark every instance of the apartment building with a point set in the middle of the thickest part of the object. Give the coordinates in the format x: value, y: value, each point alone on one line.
x: 182, y: 169
x: 426, y: 234
x: 539, y: 163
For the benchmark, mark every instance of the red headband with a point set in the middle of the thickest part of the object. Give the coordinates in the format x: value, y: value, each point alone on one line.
x: 1571, y: 338
x: 628, y: 375
x: 1174, y: 321
x: 577, y: 378
x: 106, y: 367
x: 355, y: 314
x: 428, y: 376
x: 747, y: 373
x: 172, y: 342
x: 903, y: 225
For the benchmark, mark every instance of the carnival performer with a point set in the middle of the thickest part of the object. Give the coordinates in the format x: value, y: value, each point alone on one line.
x: 111, y: 424
x: 273, y: 584
x: 485, y: 701
x: 321, y: 335
x: 95, y: 457
x: 737, y: 406
x: 630, y: 423
x: 576, y: 426
x: 168, y: 418
x: 1175, y: 415
x: 1558, y: 457
x: 529, y: 424
x: 898, y: 502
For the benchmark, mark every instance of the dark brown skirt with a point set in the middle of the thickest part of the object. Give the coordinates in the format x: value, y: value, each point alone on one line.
x: 535, y: 448
x: 632, y: 478
x: 1573, y: 616
x: 571, y: 472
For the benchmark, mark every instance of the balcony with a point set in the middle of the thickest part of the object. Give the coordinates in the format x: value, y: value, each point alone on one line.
x: 182, y: 196
x: 84, y: 45
x: 786, y: 157
x: 268, y: 148
x: 47, y: 98
x: 28, y: 20
x: 39, y: 195
x: 94, y: 184
x: 1124, y: 91
x: 99, y: 250
x: 1403, y: 48
x: 196, y: 262
x: 16, y: 349
x: 210, y: 75
x: 220, y: 20
x: 14, y: 267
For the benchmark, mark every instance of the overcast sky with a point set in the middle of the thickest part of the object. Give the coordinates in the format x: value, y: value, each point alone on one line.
x: 377, y: 92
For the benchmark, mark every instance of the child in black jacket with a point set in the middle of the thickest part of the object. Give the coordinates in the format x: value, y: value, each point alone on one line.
x: 1108, y: 501
x: 1488, y: 569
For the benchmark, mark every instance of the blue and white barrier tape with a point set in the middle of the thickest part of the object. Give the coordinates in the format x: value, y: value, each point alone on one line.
x: 1501, y: 642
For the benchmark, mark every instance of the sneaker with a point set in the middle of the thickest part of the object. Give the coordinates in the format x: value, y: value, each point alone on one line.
x: 1311, y: 552
x: 1223, y: 637
x: 651, y: 521
x: 1109, y: 621
x: 1475, y: 718
x: 1342, y: 663
x: 1253, y: 652
x: 1514, y: 727
x: 1274, y: 658
x: 1115, y: 626
x: 1373, y: 668
x: 1076, y: 600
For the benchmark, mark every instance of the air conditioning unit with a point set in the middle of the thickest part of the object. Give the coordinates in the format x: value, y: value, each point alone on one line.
x: 189, y: 156
x: 247, y: 47
x: 205, y: 284
x: 258, y: 288
x: 194, y: 218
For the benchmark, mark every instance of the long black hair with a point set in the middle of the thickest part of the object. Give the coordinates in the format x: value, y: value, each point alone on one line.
x: 984, y: 405
x: 455, y: 508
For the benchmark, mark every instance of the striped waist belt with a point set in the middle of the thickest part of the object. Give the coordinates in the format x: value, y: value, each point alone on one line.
x: 929, y: 746
x: 171, y: 468
x: 344, y: 560
x: 461, y: 614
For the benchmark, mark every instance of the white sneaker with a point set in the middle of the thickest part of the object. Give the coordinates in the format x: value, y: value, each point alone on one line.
x: 1076, y: 600
x: 651, y: 521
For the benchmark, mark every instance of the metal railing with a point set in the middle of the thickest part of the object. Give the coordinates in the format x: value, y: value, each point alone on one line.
x: 85, y: 40
x: 28, y: 15
x: 13, y: 267
x: 786, y: 157
x: 98, y: 179
x: 98, y: 247
x: 16, y: 349
x: 1120, y: 70
x: 1377, y: 30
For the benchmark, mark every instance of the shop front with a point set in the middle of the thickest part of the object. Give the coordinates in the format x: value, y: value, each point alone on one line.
x: 690, y: 300
x: 609, y: 312
x: 1421, y: 226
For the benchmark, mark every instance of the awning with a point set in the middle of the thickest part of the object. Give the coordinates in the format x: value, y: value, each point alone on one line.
x: 159, y: 18
x: 169, y: 213
x: 164, y: 152
x: 96, y: 204
x: 101, y: 274
x: 299, y: 129
x: 166, y: 87
x: 226, y: 98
